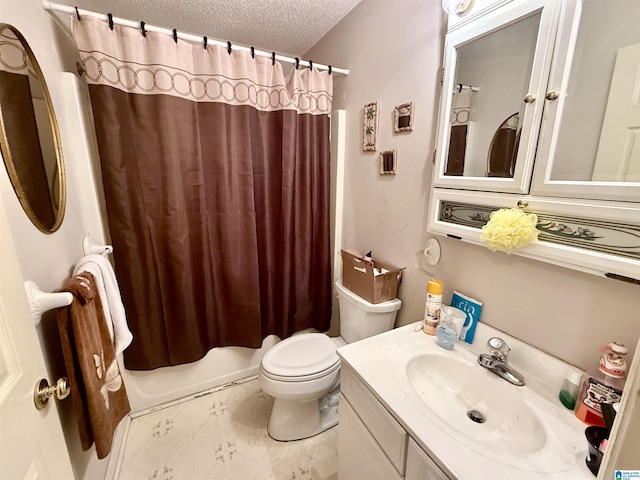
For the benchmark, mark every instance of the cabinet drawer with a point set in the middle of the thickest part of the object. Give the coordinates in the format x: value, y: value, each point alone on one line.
x: 420, y: 466
x: 359, y: 456
x: 389, y: 434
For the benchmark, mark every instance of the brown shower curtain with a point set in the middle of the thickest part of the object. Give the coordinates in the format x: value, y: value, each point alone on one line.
x: 216, y: 175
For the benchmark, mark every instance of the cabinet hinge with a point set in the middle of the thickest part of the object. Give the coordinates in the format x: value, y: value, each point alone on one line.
x: 441, y: 75
x: 433, y: 158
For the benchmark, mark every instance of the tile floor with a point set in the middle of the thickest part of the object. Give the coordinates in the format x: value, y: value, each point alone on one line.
x: 222, y: 435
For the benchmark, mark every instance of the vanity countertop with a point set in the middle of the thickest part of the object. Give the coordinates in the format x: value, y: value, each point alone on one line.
x: 375, y: 361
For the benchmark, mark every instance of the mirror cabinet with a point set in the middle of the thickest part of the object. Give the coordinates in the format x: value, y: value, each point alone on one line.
x: 29, y: 137
x: 540, y: 109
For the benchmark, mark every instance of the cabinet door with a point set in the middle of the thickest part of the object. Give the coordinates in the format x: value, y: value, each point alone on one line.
x: 386, y: 431
x: 496, y: 70
x: 359, y: 456
x: 590, y: 133
x: 420, y: 466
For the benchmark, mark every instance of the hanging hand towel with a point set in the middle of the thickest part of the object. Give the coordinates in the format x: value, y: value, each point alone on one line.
x: 460, y: 125
x: 99, y: 397
x: 109, y: 292
x: 461, y: 105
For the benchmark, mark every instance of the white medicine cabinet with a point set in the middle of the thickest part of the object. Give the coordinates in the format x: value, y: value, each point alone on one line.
x: 541, y: 109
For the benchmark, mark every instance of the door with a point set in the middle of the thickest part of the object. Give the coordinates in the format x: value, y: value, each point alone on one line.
x: 618, y: 157
x: 624, y: 442
x: 32, y: 445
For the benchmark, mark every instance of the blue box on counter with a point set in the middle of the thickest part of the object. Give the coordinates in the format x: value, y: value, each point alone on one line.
x: 472, y: 308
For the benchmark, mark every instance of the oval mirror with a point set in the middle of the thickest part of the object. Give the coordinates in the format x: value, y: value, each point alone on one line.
x: 29, y: 137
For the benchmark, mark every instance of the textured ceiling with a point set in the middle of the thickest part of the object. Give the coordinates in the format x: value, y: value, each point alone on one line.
x: 286, y: 26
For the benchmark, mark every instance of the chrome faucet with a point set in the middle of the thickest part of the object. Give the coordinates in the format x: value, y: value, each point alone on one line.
x: 496, y: 361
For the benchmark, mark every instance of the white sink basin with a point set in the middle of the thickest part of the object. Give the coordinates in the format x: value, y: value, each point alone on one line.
x: 519, y: 428
x: 476, y: 403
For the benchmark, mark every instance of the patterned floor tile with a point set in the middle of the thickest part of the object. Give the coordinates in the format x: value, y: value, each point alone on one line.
x: 222, y: 435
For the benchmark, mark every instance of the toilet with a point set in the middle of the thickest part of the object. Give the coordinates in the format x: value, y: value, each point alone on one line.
x: 302, y: 372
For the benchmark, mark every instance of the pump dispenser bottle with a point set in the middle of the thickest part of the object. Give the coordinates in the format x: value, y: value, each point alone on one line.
x: 603, y: 386
x: 570, y: 388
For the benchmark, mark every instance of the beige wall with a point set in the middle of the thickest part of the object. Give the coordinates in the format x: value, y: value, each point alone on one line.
x: 393, y: 50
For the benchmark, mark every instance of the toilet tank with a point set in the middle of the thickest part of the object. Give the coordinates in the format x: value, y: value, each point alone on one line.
x: 361, y: 319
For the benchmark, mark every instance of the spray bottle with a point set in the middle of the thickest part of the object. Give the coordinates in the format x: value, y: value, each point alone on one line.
x: 432, y: 306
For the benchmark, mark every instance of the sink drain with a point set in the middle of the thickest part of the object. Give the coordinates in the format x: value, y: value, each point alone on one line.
x: 476, y: 416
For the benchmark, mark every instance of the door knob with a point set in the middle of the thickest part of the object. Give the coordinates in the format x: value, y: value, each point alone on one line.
x: 529, y: 98
x: 552, y: 95
x: 43, y: 391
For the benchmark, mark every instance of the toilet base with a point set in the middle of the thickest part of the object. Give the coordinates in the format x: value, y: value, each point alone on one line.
x: 294, y: 419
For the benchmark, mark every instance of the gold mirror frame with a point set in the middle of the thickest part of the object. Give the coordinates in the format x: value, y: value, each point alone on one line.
x: 57, y: 188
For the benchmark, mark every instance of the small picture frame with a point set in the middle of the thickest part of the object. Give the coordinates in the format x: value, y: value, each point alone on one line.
x: 388, y: 162
x: 370, y: 127
x: 403, y: 118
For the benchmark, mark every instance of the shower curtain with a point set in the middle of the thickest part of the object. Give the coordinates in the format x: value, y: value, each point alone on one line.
x: 216, y: 178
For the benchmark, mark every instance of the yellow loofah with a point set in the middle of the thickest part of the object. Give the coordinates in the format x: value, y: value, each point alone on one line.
x: 508, y: 229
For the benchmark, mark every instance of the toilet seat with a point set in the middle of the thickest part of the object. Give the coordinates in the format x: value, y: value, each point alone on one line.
x: 301, y: 358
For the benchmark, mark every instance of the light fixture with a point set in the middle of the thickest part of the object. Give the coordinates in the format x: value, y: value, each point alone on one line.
x: 456, y: 6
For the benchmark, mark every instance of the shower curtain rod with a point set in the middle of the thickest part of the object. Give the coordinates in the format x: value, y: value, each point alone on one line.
x: 48, y: 5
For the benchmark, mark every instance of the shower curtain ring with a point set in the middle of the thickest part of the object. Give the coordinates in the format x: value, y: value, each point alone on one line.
x: 253, y: 52
x: 204, y: 41
x: 273, y: 58
x: 228, y: 47
x: 142, y: 29
x: 297, y: 63
x: 310, y: 65
x: 175, y: 35
x: 78, y: 14
x: 329, y: 69
x: 110, y: 17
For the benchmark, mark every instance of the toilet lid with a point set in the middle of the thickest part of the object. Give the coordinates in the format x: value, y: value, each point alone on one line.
x: 302, y: 355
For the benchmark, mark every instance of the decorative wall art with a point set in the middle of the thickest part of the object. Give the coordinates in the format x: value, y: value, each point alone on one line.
x: 370, y: 127
x: 403, y: 118
x: 388, y: 162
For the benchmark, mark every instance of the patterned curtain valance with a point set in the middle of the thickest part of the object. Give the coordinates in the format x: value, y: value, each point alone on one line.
x: 156, y: 65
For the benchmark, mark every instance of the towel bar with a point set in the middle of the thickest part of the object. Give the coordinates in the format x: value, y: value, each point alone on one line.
x: 41, y: 302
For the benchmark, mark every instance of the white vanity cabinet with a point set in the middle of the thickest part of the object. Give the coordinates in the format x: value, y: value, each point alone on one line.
x: 372, y: 444
x: 541, y: 110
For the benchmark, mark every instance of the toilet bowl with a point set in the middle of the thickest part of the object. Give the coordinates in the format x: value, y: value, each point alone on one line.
x: 302, y: 372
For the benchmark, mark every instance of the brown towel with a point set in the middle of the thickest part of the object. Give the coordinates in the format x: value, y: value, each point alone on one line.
x: 457, y: 150
x: 99, y: 396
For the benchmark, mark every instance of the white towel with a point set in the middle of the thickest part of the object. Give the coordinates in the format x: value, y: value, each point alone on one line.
x: 461, y: 105
x: 109, y: 292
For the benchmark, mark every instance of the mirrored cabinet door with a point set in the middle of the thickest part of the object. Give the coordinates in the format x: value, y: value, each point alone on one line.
x: 590, y: 133
x: 495, y: 75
